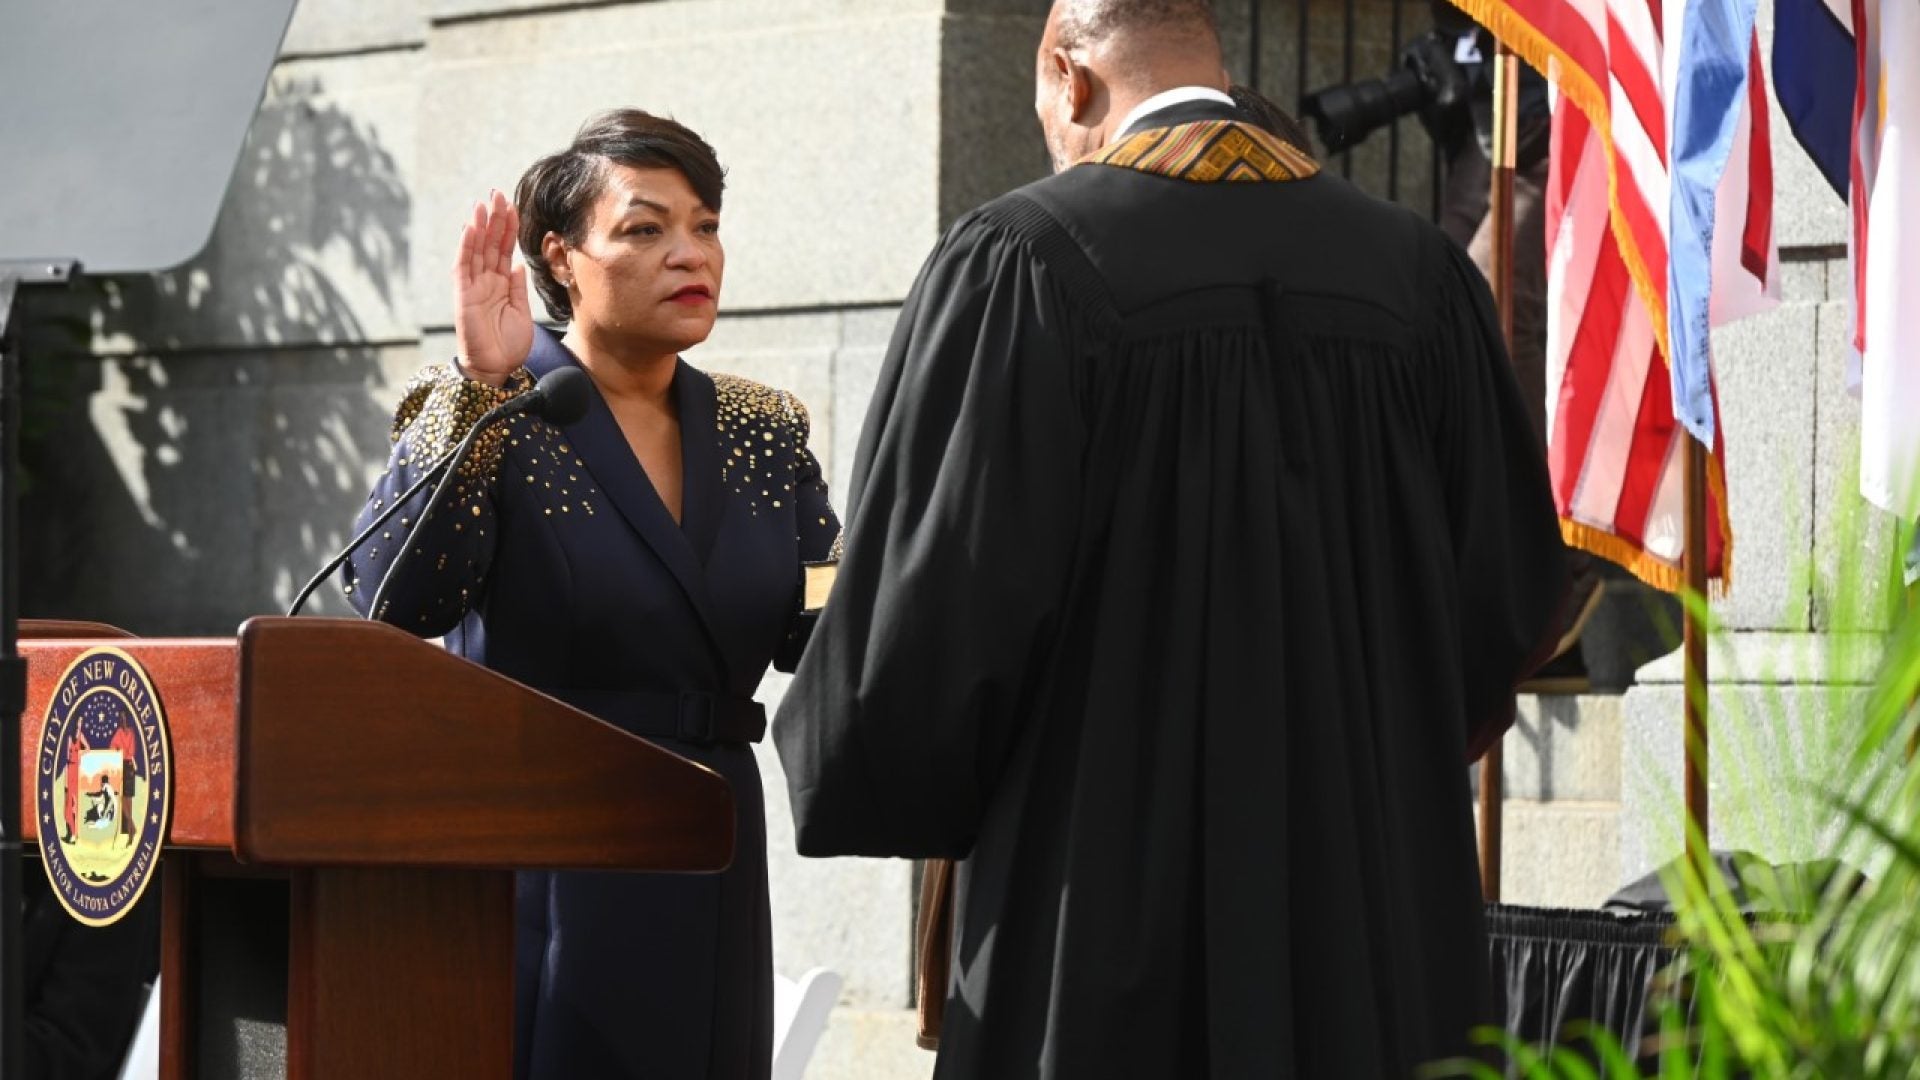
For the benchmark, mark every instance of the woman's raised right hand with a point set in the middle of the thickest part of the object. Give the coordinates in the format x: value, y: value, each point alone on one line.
x: 492, y: 323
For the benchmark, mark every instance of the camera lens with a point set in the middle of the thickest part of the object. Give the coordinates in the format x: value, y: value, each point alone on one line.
x: 1344, y: 115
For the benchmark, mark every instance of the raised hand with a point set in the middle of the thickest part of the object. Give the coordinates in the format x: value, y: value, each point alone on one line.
x: 492, y: 322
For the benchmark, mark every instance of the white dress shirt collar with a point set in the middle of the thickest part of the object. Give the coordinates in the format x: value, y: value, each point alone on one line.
x: 1179, y: 95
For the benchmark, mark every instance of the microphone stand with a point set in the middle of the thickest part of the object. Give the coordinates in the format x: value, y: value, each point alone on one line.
x: 385, y: 516
x: 13, y: 667
x: 559, y: 397
x: 445, y: 469
x: 530, y: 400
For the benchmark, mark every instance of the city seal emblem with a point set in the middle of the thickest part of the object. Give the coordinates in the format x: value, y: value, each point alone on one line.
x: 102, y: 785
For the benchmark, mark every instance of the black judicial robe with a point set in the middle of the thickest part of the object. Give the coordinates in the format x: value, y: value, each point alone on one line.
x: 1197, y: 540
x: 557, y: 564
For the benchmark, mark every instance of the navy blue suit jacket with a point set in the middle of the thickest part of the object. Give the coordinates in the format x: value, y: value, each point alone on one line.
x: 556, y: 563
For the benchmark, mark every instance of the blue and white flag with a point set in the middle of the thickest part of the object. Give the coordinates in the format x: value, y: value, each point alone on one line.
x: 1717, y: 102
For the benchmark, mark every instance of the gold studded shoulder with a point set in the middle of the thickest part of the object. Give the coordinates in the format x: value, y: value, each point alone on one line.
x: 762, y: 430
x: 797, y: 413
x: 749, y: 398
x: 439, y: 408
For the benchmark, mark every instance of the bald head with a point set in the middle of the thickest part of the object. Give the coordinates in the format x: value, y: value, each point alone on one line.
x: 1100, y: 58
x: 1172, y: 23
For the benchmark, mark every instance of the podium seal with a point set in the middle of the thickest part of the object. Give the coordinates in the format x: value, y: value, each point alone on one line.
x: 102, y: 785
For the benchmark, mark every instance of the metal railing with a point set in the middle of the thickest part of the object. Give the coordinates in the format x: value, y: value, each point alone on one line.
x: 1290, y: 48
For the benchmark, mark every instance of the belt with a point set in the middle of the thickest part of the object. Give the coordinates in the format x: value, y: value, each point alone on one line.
x: 688, y: 715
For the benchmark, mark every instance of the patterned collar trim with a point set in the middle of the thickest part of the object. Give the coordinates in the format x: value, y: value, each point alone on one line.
x: 1208, y: 152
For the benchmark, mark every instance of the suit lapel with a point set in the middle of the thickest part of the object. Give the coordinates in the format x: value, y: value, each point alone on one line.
x: 705, y: 500
x: 701, y: 499
x: 603, y: 446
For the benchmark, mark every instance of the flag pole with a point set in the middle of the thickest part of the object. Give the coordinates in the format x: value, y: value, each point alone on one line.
x: 1695, y: 646
x: 1910, y: 581
x: 1506, y: 101
x: 1910, y: 569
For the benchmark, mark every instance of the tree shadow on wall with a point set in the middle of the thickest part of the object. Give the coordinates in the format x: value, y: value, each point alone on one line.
x: 199, y: 440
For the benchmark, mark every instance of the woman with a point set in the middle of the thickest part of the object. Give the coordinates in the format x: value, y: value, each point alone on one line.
x: 647, y: 555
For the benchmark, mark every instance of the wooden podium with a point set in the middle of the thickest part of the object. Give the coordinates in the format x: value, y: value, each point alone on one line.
x: 394, y: 788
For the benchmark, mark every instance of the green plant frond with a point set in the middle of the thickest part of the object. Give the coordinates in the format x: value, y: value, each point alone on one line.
x: 1458, y: 1067
x: 1890, y: 704
x: 1532, y: 1063
x: 1713, y: 1059
x: 1697, y: 605
x: 1891, y: 981
x: 1675, y: 1046
x: 1566, y: 1063
x: 1707, y: 914
x: 1606, y: 1046
x: 1906, y: 846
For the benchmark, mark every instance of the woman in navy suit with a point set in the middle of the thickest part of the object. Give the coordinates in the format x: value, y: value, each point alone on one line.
x: 643, y: 563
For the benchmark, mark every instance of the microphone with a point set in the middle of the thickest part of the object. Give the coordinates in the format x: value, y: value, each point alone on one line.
x: 559, y: 398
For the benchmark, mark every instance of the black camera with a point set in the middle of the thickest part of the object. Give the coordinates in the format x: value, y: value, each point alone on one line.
x: 1428, y: 80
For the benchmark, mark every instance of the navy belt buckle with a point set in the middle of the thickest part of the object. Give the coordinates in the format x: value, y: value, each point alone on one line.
x: 695, y: 719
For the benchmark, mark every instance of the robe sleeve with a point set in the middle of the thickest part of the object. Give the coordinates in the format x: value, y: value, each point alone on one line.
x: 818, y: 526
x: 961, y: 528
x: 443, y: 577
x: 1510, y: 565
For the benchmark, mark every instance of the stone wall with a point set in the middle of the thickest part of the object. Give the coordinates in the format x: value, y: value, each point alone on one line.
x: 200, y: 439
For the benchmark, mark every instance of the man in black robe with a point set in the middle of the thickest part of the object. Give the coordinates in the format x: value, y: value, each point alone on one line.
x: 1197, y: 540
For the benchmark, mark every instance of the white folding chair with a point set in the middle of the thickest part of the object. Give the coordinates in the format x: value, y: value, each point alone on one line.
x: 800, y: 1013
x: 143, y: 1053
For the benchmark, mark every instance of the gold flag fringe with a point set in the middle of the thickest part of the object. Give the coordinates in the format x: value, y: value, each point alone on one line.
x: 1651, y: 568
x: 1551, y: 61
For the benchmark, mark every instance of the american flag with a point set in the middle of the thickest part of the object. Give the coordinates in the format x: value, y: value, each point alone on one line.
x: 1657, y: 119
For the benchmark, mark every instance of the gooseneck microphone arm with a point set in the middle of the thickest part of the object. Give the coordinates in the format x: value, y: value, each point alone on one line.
x: 447, y: 476
x: 559, y: 398
x: 353, y: 545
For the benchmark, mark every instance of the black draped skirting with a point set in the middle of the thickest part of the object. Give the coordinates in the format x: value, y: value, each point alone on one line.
x: 1553, y: 967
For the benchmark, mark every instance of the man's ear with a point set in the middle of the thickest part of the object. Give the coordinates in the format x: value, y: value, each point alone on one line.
x: 1078, y: 85
x: 1070, y: 81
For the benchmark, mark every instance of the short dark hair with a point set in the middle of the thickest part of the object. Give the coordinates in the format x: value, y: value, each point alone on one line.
x: 1264, y: 113
x: 557, y: 192
x: 1084, y: 22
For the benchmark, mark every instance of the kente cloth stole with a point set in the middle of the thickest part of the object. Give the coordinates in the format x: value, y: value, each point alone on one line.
x: 1207, y: 152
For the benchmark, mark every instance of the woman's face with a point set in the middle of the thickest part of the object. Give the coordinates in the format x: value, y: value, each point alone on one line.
x: 647, y: 271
